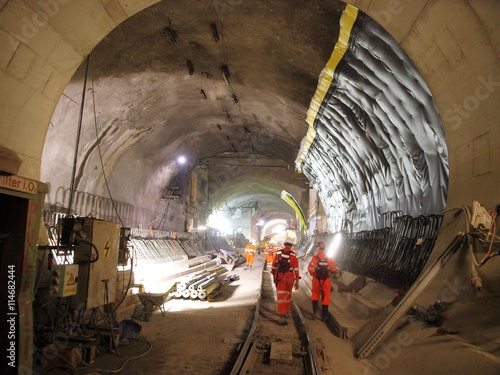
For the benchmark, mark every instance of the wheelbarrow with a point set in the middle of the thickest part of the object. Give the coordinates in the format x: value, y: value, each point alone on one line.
x: 151, y: 301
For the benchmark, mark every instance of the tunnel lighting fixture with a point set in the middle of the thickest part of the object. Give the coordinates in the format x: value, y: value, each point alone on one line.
x: 335, y: 246
x: 203, y: 95
x: 225, y: 73
x: 260, y: 223
x: 215, y: 32
x: 234, y: 99
x: 181, y: 160
x: 190, y: 67
x: 172, y: 34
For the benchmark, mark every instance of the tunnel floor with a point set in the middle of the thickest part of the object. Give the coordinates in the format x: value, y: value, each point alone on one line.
x: 201, y: 337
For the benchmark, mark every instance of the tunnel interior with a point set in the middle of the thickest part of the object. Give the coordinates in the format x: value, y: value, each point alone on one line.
x: 259, y: 115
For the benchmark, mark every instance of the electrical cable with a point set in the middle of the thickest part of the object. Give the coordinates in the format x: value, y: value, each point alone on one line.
x: 475, y: 280
x: 165, y: 211
x: 100, y: 154
x: 124, y: 295
x: 79, y: 239
x: 124, y: 363
x: 493, y: 234
x: 78, y: 133
x: 96, y: 252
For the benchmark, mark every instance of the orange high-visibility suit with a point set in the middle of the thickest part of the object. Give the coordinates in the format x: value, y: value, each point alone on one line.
x: 286, y: 276
x: 250, y: 254
x: 269, y: 255
x: 321, y: 284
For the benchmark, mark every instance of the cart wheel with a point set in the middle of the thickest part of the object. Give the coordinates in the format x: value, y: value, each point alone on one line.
x: 148, y: 311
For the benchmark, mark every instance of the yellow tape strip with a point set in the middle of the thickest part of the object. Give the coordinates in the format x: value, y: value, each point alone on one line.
x: 346, y: 23
x: 287, y: 197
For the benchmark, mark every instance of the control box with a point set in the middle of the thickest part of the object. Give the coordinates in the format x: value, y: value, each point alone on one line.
x: 63, y: 280
x: 96, y: 247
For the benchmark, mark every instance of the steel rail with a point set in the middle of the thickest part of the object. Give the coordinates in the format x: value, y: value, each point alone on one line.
x: 248, y: 348
x: 312, y: 362
x: 248, y: 354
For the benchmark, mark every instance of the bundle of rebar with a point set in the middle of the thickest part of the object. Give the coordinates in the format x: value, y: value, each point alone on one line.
x: 393, y: 256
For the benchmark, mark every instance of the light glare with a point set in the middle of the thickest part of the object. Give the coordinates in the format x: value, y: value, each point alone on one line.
x: 334, y: 247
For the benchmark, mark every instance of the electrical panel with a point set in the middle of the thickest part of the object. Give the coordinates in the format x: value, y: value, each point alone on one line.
x: 63, y: 280
x: 96, y: 247
x: 480, y: 219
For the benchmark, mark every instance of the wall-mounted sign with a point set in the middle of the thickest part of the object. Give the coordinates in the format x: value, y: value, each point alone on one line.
x: 19, y: 184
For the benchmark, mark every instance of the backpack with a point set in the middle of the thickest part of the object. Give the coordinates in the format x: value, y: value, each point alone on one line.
x: 284, y: 263
x: 322, y: 270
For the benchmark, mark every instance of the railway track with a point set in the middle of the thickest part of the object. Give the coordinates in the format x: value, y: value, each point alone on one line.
x: 273, y: 349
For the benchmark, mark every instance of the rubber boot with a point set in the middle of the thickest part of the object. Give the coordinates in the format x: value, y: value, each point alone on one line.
x: 315, y: 309
x: 282, y: 321
x: 324, y: 313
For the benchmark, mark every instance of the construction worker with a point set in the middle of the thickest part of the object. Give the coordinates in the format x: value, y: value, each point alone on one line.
x: 249, y: 255
x: 270, y: 251
x: 320, y: 268
x: 265, y: 258
x: 286, y: 276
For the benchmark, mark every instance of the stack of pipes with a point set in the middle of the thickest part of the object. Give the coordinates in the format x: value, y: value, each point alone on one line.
x: 199, y: 285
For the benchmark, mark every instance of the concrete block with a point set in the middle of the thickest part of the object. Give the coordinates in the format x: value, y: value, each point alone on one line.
x: 339, y: 300
x: 363, y: 306
x: 378, y: 293
x: 348, y: 282
x: 370, y: 300
x: 281, y: 352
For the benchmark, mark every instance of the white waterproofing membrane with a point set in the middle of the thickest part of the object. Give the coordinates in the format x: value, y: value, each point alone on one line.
x: 376, y: 142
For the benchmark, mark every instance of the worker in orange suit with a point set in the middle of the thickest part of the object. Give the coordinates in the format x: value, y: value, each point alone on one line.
x: 286, y: 276
x: 321, y: 268
x: 266, y: 252
x: 249, y: 255
x: 270, y: 251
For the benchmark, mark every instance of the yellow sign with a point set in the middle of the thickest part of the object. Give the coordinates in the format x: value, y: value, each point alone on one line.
x: 71, y: 280
x: 106, y: 249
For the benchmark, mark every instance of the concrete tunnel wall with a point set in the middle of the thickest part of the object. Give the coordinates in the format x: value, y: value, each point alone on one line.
x: 454, y: 44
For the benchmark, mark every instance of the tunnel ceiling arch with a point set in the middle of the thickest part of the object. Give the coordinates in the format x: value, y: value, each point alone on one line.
x: 206, y: 82
x: 376, y: 142
x: 146, y: 77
